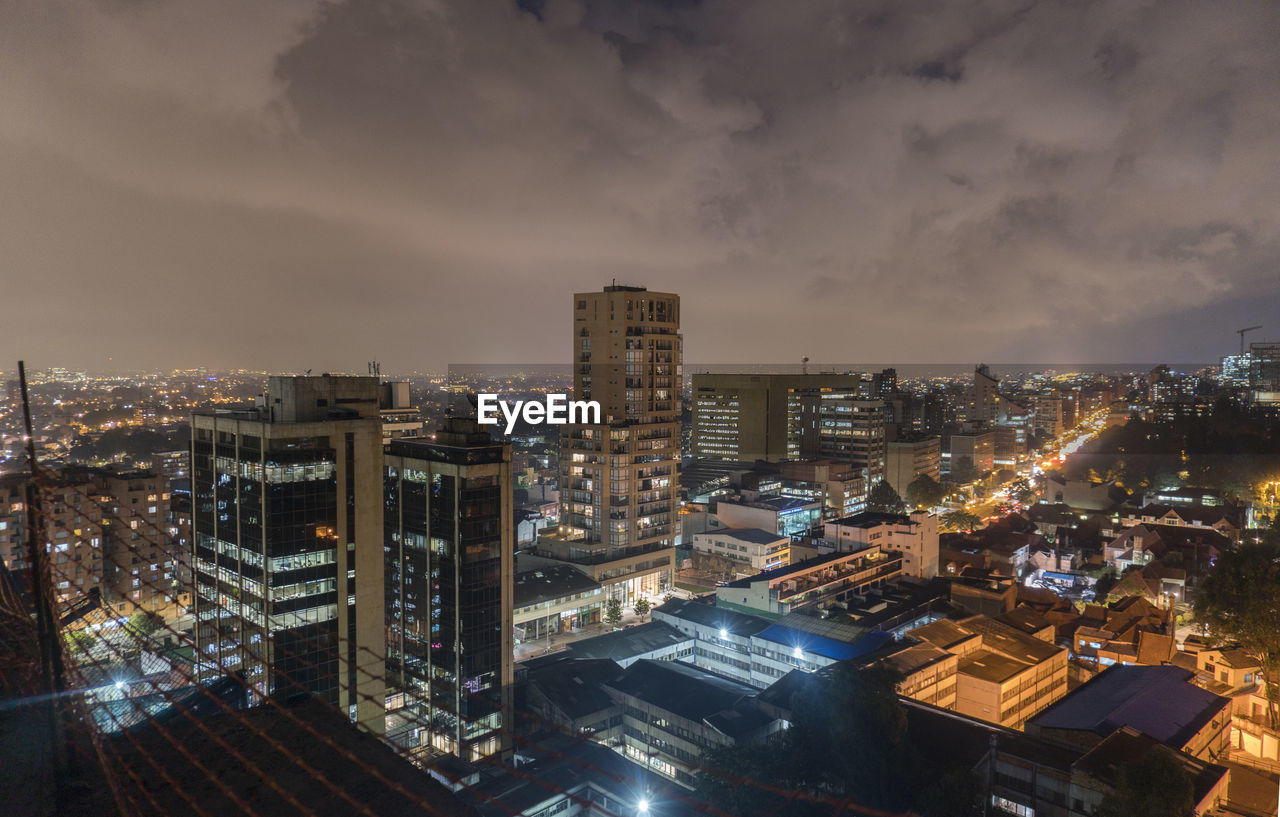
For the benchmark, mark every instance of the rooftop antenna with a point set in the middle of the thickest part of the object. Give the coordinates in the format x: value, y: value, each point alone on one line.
x: 1241, y: 332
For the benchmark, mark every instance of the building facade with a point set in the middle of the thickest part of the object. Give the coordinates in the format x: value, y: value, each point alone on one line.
x: 449, y: 587
x: 619, y: 490
x: 287, y: 528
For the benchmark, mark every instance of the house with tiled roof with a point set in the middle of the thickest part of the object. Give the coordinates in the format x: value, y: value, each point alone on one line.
x: 1218, y: 518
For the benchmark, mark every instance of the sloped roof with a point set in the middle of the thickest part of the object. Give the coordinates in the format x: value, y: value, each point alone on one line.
x: 1160, y: 701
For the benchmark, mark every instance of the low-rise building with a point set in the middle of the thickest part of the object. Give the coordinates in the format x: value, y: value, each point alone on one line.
x: 834, y: 577
x: 1003, y: 675
x: 1162, y: 702
x: 744, y: 550
x: 555, y: 598
x: 914, y: 536
x: 672, y: 712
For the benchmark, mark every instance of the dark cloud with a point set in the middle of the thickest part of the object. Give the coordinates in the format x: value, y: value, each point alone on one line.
x: 306, y: 184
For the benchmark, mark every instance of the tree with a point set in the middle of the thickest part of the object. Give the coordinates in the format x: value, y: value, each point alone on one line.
x: 1104, y: 584
x: 963, y: 471
x: 883, y: 499
x: 959, y: 521
x: 642, y: 607
x: 1153, y: 784
x: 1239, y: 599
x: 613, y: 612
x: 78, y: 640
x: 925, y: 492
x: 848, y: 739
x: 141, y: 625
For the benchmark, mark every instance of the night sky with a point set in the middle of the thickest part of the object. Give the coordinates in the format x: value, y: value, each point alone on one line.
x: 293, y: 185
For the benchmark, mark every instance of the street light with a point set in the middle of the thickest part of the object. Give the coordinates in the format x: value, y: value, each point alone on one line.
x: 643, y: 806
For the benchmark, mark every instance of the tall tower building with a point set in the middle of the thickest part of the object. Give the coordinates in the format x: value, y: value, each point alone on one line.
x: 618, y: 482
x: 450, y: 553
x: 287, y: 527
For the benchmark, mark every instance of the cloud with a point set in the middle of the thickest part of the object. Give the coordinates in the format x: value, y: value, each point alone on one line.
x: 272, y: 184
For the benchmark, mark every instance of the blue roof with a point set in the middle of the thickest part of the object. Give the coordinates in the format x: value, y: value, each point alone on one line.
x: 1066, y: 577
x: 827, y: 647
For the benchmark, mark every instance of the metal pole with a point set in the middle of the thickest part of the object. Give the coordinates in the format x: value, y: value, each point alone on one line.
x: 46, y: 632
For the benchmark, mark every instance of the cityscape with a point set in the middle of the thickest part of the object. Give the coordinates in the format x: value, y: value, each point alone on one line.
x: 544, y: 408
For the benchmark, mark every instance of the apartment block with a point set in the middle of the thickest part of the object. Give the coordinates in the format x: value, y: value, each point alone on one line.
x: 618, y: 480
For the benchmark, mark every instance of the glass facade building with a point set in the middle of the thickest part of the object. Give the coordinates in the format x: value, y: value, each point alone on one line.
x: 449, y: 558
x: 287, y: 521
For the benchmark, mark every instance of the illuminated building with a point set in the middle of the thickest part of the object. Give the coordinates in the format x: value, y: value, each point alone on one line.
x: 1264, y: 372
x: 978, y: 447
x: 907, y: 459
x: 982, y: 400
x: 1235, y: 370
x: 400, y: 419
x: 73, y: 533
x: 142, y: 567
x: 618, y: 480
x: 773, y: 417
x: 287, y: 517
x: 450, y: 568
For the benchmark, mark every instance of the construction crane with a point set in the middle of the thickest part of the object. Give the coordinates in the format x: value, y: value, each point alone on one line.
x: 1241, y: 332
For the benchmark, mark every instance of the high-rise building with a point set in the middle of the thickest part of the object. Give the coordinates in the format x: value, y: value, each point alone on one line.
x: 982, y: 400
x: 845, y: 429
x: 749, y: 417
x: 288, y: 563
x: 450, y: 556
x: 618, y: 482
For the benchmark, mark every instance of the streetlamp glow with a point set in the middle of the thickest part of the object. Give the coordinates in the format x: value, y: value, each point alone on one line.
x: 643, y: 806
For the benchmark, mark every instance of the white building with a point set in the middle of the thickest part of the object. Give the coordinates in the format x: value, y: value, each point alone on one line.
x: 915, y: 536
x: 754, y: 550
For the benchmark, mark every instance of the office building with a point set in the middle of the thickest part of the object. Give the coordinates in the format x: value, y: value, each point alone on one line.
x: 834, y: 577
x: 618, y: 479
x: 400, y: 418
x: 748, y: 417
x: 842, y: 429
x: 1264, y: 372
x: 450, y: 586
x: 906, y: 459
x: 978, y: 449
x: 841, y: 488
x: 287, y: 517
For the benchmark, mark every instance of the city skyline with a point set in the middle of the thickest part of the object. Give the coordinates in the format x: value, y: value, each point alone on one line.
x: 1100, y: 176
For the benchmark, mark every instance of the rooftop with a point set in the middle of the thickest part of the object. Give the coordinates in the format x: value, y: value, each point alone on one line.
x: 752, y: 536
x: 708, y: 615
x: 990, y: 666
x: 680, y: 688
x: 1159, y: 701
x: 550, y: 582
x: 625, y: 644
